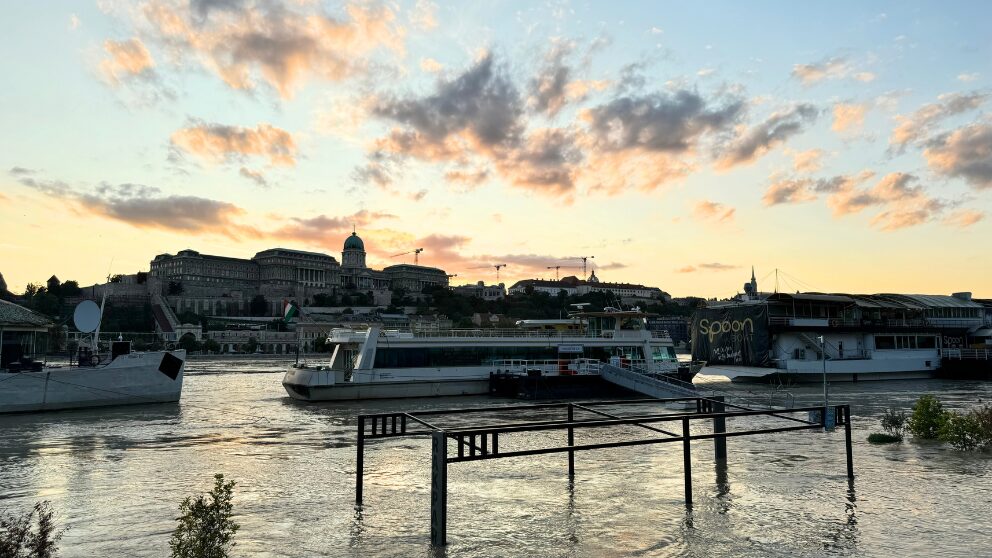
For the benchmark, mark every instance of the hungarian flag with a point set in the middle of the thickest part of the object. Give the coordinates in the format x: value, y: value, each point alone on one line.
x: 289, y: 310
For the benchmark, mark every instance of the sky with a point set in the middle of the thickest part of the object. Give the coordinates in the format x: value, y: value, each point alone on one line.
x: 847, y: 145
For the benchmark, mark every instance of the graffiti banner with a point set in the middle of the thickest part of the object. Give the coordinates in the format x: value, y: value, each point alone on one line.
x: 736, y: 335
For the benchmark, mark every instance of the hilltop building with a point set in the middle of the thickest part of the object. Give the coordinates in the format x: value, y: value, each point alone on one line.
x: 574, y: 286
x: 482, y: 290
x: 220, y: 285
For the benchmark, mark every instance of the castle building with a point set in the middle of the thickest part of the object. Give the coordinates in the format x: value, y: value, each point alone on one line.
x: 220, y: 285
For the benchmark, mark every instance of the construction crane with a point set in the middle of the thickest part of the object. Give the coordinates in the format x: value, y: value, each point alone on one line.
x: 416, y: 255
x: 557, y: 267
x: 496, y: 266
x: 583, y: 258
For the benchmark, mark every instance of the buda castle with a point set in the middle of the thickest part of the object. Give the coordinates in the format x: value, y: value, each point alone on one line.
x: 219, y: 285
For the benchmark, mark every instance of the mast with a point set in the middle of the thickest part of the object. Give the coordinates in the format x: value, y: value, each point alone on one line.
x: 96, y: 334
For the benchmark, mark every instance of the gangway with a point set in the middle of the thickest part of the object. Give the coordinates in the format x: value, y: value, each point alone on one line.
x: 660, y: 386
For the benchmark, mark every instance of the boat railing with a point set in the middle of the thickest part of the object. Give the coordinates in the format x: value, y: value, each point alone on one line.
x: 575, y: 366
x: 968, y: 354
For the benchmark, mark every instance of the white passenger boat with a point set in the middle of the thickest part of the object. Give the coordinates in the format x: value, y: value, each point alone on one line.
x: 374, y: 363
x: 123, y: 377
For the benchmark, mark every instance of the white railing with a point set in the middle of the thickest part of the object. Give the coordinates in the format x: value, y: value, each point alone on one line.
x: 577, y: 366
x: 968, y: 354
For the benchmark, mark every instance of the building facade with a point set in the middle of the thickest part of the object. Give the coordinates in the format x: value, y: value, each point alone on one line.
x: 220, y: 285
x: 575, y: 286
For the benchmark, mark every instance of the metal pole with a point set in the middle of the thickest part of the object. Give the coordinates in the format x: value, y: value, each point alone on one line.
x: 686, y: 462
x: 719, y: 427
x: 571, y: 442
x: 439, y: 489
x: 826, y: 402
x: 846, y: 409
x: 360, y: 461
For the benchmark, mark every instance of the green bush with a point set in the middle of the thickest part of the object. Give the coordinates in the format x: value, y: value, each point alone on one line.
x: 962, y: 431
x: 31, y: 535
x: 880, y: 438
x: 205, y: 527
x: 894, y: 422
x: 927, y: 418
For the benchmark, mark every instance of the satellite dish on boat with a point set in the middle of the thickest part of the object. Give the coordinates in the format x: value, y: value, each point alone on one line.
x: 87, y: 316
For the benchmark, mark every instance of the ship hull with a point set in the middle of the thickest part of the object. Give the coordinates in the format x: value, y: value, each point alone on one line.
x: 132, y: 379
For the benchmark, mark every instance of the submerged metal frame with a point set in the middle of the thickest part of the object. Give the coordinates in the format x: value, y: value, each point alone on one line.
x: 481, y: 442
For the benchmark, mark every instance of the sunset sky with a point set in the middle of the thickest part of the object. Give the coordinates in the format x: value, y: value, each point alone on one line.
x: 848, y: 144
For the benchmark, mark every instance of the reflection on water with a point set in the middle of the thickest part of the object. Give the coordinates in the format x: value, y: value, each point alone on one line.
x: 116, y: 476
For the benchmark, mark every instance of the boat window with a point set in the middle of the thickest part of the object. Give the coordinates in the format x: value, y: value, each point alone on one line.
x: 884, y: 342
x: 631, y: 324
x: 926, y: 342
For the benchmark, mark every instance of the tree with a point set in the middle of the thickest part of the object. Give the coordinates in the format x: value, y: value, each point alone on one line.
x: 141, y: 277
x: 211, y: 346
x: 205, y: 526
x: 259, y: 306
x: 19, y: 538
x: 189, y: 343
x: 251, y: 345
x: 71, y: 288
x: 116, y: 278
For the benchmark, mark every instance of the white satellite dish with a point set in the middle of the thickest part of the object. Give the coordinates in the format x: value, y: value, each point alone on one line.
x: 87, y: 316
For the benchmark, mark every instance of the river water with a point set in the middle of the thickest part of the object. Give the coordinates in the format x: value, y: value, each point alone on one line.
x: 116, y: 477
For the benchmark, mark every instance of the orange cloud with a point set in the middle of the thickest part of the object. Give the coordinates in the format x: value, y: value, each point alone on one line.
x: 705, y: 210
x: 218, y: 142
x: 848, y: 116
x: 965, y: 153
x: 282, y: 45
x: 915, y: 127
x: 126, y: 59
x: 964, y: 218
x: 806, y: 161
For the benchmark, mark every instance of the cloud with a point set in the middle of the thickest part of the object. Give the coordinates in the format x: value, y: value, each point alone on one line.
x: 554, y: 87
x: 20, y: 171
x: 430, y: 65
x: 74, y: 22
x: 790, y: 190
x: 282, y: 44
x: 707, y: 267
x: 755, y: 142
x: 806, y: 161
x: 661, y: 122
x: 470, y: 178
x: 832, y: 68
x: 324, y: 230
x: 144, y: 207
x: 916, y: 127
x: 255, y: 176
x: 546, y: 162
x: 964, y: 153
x: 127, y: 59
x: 482, y: 104
x: 964, y: 218
x: 705, y: 210
x: 612, y: 265
x: 219, y: 142
x: 968, y: 77
x: 424, y: 15
x: 865, y: 77
x: 848, y: 117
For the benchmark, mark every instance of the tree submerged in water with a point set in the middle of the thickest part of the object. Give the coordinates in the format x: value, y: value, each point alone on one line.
x: 205, y: 526
x: 31, y: 535
x: 893, y: 423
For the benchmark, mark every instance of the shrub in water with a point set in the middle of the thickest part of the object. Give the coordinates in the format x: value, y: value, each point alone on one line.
x: 927, y: 418
x: 961, y: 431
x: 205, y: 527
x: 31, y: 535
x: 880, y: 438
x: 894, y: 422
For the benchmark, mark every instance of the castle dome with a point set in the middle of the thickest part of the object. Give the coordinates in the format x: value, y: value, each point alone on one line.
x: 353, y: 242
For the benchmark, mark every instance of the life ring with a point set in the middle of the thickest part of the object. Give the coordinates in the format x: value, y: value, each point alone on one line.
x: 94, y: 360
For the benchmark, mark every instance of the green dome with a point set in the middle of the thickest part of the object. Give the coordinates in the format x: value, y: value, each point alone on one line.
x: 354, y: 243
